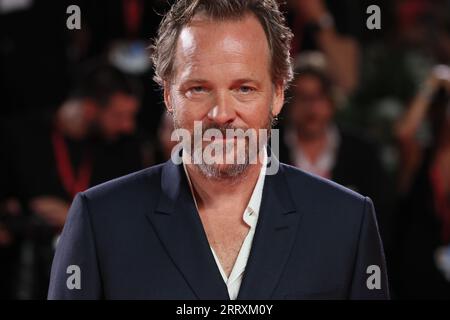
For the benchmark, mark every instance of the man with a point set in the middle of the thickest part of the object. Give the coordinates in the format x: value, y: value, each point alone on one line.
x: 220, y: 230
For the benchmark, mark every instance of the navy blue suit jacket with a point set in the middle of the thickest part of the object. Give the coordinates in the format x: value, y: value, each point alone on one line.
x: 140, y: 237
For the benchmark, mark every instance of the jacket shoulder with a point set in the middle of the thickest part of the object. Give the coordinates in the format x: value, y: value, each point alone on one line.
x: 126, y: 186
x: 331, y: 210
x: 300, y: 179
x: 323, y: 198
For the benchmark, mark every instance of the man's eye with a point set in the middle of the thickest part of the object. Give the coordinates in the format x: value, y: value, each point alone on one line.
x: 246, y: 89
x: 197, y: 89
x: 195, y: 92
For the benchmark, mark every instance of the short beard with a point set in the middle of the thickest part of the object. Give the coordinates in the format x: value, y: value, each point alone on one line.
x: 229, y: 171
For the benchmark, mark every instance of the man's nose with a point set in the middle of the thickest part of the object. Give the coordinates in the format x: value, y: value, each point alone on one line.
x: 222, y: 111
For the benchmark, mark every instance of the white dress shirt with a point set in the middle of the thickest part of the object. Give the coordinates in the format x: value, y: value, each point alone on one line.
x: 250, y: 217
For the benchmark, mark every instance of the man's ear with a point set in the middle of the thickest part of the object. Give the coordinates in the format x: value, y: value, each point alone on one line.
x: 278, y: 98
x: 167, y: 97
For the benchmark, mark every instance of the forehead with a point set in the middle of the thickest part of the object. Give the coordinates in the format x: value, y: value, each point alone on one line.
x: 238, y: 44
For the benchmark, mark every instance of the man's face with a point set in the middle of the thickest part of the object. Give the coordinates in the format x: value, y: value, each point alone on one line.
x: 222, y: 78
x: 118, y: 117
x: 311, y: 110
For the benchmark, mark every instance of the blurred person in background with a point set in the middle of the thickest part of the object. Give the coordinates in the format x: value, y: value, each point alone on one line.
x: 120, y: 30
x: 159, y: 149
x: 164, y: 144
x: 423, y: 226
x: 314, y: 27
x: 50, y: 157
x: 315, y: 143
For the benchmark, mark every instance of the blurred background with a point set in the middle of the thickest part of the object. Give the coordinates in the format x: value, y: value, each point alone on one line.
x: 368, y: 109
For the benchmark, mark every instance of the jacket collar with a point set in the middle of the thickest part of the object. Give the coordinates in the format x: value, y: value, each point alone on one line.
x: 179, y: 228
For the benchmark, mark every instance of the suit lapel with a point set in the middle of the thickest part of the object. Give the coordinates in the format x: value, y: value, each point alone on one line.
x: 274, y: 237
x: 178, y: 225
